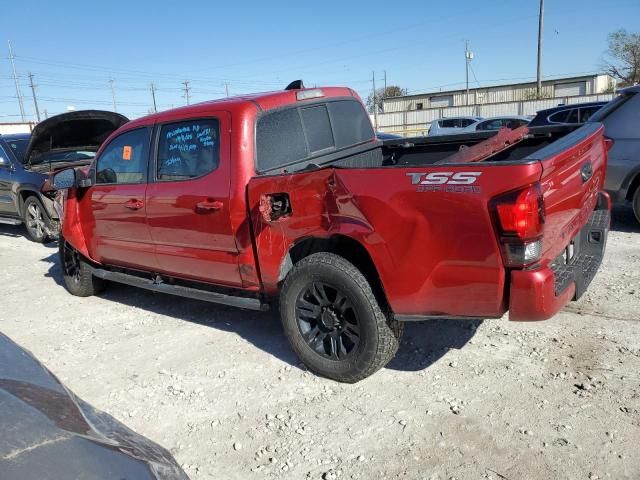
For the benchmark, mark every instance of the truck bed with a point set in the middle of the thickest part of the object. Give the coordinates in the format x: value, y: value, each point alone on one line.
x: 429, y: 223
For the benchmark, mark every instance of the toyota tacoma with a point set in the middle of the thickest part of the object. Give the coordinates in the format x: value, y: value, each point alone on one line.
x: 288, y: 198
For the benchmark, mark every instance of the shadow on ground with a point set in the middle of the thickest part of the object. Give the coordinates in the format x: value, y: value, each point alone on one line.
x: 623, y: 219
x: 426, y: 342
x: 18, y: 231
x: 423, y: 342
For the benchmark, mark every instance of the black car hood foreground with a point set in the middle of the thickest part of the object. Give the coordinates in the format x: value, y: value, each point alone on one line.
x: 81, y: 130
x: 47, y: 433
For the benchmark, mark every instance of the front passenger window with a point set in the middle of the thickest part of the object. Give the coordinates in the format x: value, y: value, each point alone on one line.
x: 124, y: 160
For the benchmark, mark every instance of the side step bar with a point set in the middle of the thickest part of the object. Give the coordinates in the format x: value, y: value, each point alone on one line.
x: 181, y: 291
x: 10, y: 221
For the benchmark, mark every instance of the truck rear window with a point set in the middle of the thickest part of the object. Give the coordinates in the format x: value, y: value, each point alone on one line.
x: 288, y: 136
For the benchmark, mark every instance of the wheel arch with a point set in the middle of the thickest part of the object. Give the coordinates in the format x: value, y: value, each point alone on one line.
x: 346, y: 247
x: 634, y: 184
x: 31, y: 191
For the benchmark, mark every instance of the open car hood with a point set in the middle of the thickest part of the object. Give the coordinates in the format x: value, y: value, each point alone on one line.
x: 80, y: 130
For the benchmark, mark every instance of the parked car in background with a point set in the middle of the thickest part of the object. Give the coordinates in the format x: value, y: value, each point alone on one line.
x: 387, y: 136
x: 49, y: 433
x: 448, y: 126
x: 496, y: 123
x: 621, y: 119
x: 566, y: 114
x: 304, y: 208
x: 70, y: 139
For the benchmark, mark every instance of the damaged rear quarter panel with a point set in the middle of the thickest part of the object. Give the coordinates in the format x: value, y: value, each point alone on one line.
x: 435, y: 251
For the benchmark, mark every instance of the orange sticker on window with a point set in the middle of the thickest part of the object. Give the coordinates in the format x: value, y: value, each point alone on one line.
x: 126, y: 152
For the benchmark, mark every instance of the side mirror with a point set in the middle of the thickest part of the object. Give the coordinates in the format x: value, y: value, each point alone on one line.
x: 64, y: 179
x: 5, y: 163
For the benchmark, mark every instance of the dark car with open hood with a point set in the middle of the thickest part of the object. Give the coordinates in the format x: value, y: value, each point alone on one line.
x: 48, y: 433
x: 69, y: 139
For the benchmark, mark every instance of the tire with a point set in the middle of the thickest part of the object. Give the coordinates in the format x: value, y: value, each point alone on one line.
x: 334, y: 322
x: 636, y: 204
x: 76, y: 272
x: 36, y: 220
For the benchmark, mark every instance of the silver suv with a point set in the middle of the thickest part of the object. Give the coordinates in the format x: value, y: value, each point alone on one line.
x: 621, y: 119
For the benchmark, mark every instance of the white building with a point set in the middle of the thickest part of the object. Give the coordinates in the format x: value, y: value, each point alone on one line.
x: 16, y: 127
x: 411, y: 114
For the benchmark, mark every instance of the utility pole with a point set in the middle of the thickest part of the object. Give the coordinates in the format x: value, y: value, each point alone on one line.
x: 15, y: 79
x: 153, y: 95
x: 186, y: 90
x: 226, y: 88
x: 113, y: 95
x: 33, y: 91
x: 540, y: 20
x: 46, y: 114
x: 468, y: 56
x: 375, y: 107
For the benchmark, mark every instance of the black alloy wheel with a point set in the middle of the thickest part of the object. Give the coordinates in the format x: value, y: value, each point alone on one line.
x: 327, y: 321
x: 71, y: 263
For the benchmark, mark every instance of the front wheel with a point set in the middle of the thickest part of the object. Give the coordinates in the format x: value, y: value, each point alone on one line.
x: 76, y: 272
x: 636, y: 204
x: 36, y: 220
x: 333, y: 320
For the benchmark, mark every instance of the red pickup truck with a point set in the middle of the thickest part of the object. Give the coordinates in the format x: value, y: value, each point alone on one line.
x: 288, y: 197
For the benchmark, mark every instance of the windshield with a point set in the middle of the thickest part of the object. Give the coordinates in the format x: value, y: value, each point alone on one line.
x: 18, y: 147
x: 64, y: 156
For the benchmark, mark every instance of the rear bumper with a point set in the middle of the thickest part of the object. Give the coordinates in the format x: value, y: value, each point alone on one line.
x: 539, y: 294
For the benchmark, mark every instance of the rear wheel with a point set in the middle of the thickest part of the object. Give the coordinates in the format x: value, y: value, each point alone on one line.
x: 333, y: 320
x: 36, y: 220
x: 636, y: 204
x: 76, y: 272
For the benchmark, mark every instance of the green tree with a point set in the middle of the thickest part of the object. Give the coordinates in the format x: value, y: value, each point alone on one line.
x: 381, y: 94
x: 623, y: 57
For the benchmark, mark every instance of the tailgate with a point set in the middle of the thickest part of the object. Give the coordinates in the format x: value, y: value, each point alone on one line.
x: 573, y: 174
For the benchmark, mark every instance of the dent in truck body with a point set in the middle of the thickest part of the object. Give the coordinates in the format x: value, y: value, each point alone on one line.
x: 430, y: 249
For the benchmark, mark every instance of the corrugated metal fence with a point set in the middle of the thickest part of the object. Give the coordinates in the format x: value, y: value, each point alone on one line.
x: 416, y: 122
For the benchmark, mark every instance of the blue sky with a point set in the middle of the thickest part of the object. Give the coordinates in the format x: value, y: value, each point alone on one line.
x: 74, y: 48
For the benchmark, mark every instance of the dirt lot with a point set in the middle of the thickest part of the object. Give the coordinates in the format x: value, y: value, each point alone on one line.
x: 222, y: 390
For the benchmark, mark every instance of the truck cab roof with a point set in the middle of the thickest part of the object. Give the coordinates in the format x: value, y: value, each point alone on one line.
x: 261, y: 101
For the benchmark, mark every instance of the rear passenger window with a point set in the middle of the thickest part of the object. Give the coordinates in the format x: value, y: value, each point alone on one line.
x: 585, y: 113
x: 465, y: 122
x: 124, y: 160
x: 560, y: 117
x: 318, y: 128
x: 280, y: 139
x: 188, y: 149
x: 351, y: 124
x: 294, y: 134
x: 573, y: 116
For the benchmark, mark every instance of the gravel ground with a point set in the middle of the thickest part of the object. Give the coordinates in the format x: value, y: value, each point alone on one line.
x: 222, y: 390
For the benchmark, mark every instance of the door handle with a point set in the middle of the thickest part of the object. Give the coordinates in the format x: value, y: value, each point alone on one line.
x: 134, y: 204
x: 586, y: 171
x: 208, y: 205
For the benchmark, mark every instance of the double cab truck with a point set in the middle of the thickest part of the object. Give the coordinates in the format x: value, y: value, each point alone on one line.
x: 288, y: 199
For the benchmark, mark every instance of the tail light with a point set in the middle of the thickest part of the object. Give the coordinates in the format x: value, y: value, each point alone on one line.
x: 519, y: 219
